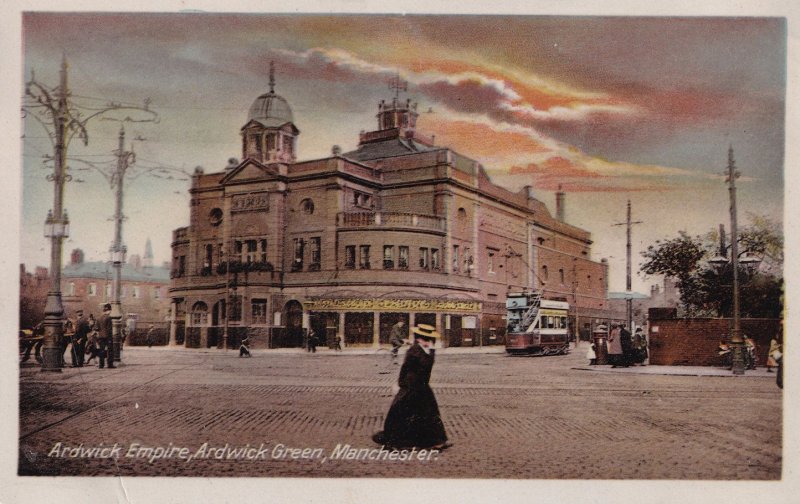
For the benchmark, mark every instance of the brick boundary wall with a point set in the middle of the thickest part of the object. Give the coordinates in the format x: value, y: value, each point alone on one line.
x: 694, y: 342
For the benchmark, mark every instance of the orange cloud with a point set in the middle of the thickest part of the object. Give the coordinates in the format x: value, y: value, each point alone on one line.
x: 478, y: 140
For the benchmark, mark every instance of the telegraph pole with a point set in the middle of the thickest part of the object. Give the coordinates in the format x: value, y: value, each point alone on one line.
x: 118, y: 250
x: 62, y: 119
x: 628, y: 277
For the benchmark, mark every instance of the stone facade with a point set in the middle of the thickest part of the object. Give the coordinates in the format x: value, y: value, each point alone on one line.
x: 347, y: 245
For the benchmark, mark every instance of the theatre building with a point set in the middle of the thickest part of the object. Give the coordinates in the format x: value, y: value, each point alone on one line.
x: 397, y: 229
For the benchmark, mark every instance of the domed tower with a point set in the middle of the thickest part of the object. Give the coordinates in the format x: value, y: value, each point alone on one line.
x: 270, y: 135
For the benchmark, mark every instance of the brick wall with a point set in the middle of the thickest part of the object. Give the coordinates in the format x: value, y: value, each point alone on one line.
x: 694, y: 342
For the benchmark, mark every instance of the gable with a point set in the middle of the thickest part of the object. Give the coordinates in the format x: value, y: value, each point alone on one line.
x: 250, y: 170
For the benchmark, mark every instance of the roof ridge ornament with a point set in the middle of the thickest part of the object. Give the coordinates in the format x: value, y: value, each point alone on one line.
x: 272, y: 77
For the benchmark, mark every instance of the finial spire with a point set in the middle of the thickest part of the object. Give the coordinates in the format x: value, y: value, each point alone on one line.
x: 272, y: 77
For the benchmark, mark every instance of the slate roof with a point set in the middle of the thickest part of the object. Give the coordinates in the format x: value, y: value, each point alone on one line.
x: 388, y: 148
x: 99, y: 270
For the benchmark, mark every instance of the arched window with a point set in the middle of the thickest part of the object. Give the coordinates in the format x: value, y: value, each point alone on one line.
x: 307, y: 206
x: 199, y: 314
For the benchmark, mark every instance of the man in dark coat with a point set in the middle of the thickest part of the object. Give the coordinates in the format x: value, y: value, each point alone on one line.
x: 104, y: 329
x: 82, y: 330
x: 414, y: 419
x: 627, y: 346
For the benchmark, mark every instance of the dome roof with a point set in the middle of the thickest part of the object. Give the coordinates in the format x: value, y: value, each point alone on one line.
x: 271, y: 110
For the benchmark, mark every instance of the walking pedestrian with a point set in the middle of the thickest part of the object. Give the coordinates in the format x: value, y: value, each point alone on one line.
x: 414, y: 419
x: 150, y: 337
x: 244, y: 347
x: 106, y: 342
x: 312, y: 340
x: 397, y: 338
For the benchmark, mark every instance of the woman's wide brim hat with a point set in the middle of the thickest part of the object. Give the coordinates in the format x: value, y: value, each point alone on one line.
x: 426, y: 331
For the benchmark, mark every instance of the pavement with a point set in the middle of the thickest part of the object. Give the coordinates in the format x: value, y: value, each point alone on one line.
x: 303, y: 415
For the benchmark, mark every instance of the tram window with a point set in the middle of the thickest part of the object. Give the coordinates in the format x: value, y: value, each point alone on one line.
x: 550, y: 323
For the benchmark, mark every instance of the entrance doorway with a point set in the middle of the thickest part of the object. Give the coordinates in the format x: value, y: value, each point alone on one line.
x: 293, y: 315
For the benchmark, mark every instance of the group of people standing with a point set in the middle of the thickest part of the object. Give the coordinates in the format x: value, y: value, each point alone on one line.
x: 626, y: 349
x: 87, y: 336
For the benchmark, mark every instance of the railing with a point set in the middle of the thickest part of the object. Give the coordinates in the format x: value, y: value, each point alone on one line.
x: 390, y: 219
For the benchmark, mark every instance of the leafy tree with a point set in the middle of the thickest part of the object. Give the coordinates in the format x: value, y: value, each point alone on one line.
x: 706, y: 291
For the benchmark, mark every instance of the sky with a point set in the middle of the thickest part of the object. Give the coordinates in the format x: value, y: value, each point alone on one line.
x: 609, y: 108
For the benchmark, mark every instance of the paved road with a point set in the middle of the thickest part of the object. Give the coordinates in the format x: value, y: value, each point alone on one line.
x: 508, y: 417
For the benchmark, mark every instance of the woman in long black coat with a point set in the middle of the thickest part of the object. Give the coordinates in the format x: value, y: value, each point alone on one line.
x: 413, y: 419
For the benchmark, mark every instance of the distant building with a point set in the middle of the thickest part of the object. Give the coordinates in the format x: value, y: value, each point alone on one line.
x: 33, y: 287
x: 398, y: 229
x: 87, y: 285
x: 664, y: 295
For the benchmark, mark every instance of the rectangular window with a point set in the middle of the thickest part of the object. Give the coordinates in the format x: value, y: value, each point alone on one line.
x: 135, y: 291
x: 363, y: 257
x: 402, y: 257
x: 259, y: 311
x: 92, y: 290
x: 263, y: 250
x: 435, y: 259
x: 316, y: 253
x: 455, y: 257
x: 209, y: 256
x: 181, y: 265
x: 350, y: 256
x: 297, y: 261
x: 156, y: 292
x: 108, y: 292
x: 124, y: 291
x: 424, y: 259
x: 388, y: 257
x: 252, y: 251
x: 490, y: 259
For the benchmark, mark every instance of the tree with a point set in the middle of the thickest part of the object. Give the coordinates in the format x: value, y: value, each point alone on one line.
x: 706, y: 291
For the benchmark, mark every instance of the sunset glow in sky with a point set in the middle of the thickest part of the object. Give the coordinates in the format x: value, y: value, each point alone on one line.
x: 610, y: 109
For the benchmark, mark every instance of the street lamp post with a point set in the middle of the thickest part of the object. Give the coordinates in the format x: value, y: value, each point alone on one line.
x: 55, y: 110
x: 736, y: 341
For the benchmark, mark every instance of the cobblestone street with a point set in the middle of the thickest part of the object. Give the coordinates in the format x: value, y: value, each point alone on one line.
x: 508, y: 417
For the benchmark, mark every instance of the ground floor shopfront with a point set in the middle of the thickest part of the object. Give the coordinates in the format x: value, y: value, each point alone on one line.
x: 351, y: 321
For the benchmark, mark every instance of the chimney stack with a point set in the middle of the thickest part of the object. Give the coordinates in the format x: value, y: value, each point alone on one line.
x: 560, y: 204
